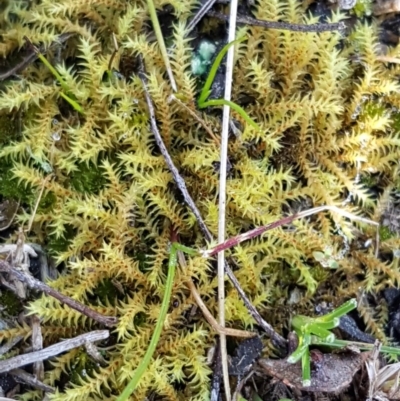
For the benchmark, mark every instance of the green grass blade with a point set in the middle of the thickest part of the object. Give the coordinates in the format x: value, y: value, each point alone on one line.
x: 234, y: 106
x: 205, y: 92
x: 340, y: 311
x: 306, y: 367
x: 59, y: 78
x: 157, y: 331
x: 73, y: 103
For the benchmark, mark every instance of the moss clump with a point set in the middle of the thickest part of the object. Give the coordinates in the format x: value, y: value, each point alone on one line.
x: 88, y: 179
x: 363, y: 8
x: 11, y: 304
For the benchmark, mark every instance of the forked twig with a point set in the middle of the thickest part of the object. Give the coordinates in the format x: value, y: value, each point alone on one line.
x: 22, y: 376
x: 207, y: 314
x: 56, y: 349
x: 32, y: 283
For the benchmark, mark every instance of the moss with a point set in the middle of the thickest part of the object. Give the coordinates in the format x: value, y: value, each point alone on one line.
x: 11, y: 304
x: 10, y: 188
x: 106, y: 292
x: 385, y: 233
x: 363, y: 8
x: 8, y: 128
x: 83, y: 366
x: 88, y: 179
x: 57, y: 245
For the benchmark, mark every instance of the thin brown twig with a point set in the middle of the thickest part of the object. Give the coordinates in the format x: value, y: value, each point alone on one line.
x: 56, y: 349
x: 207, y: 314
x: 200, y: 13
x: 32, y: 283
x: 242, y: 19
x: 276, y: 338
x: 197, y: 117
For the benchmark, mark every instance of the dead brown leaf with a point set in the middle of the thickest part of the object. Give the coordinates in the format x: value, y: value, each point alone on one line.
x: 332, y: 375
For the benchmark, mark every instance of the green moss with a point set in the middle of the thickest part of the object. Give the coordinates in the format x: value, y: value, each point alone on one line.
x: 10, y: 188
x: 369, y: 180
x: 82, y: 367
x: 11, y: 303
x: 47, y: 202
x: 363, y: 8
x: 106, y: 292
x: 139, y: 319
x: 88, y: 179
x: 385, y: 233
x: 58, y: 245
x: 8, y: 128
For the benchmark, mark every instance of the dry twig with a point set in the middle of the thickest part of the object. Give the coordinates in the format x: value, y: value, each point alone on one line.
x: 242, y: 19
x: 22, y: 376
x: 56, y: 349
x: 32, y: 283
x: 207, y: 314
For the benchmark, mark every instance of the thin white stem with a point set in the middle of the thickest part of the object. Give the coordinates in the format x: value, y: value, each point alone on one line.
x: 222, y: 194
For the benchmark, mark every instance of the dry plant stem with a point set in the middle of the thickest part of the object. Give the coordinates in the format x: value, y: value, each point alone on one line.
x: 22, y: 376
x: 56, y: 349
x: 207, y: 314
x: 388, y: 59
x: 222, y: 193
x: 197, y: 117
x: 180, y: 182
x: 233, y: 241
x: 281, y: 25
x: 200, y: 13
x: 276, y: 338
x: 38, y: 202
x: 161, y: 43
x: 37, y: 285
x: 37, y: 345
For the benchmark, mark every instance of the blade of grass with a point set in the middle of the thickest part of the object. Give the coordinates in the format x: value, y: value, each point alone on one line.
x: 161, y: 43
x: 160, y: 321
